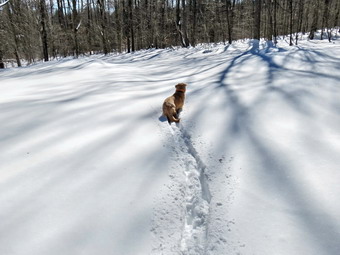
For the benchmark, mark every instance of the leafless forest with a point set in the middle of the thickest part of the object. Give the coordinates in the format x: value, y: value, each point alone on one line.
x: 32, y: 30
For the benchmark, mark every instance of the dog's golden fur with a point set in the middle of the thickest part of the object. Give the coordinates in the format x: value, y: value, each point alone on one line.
x: 174, y: 104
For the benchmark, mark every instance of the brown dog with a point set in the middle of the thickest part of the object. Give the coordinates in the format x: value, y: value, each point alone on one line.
x: 174, y: 104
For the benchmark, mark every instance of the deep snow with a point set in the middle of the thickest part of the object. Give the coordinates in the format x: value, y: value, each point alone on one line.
x: 89, y: 166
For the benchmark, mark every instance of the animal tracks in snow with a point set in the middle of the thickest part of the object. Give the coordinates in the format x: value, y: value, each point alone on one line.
x: 188, y: 218
x: 197, y: 195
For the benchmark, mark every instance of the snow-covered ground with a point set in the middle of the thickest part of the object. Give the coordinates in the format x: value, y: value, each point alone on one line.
x: 89, y: 166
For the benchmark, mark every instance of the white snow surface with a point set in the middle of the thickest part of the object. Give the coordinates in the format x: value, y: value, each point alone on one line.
x: 89, y: 166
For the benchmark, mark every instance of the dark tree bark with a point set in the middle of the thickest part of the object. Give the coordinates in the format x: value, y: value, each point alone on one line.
x: 325, y: 17
x: 118, y: 26
x: 88, y: 25
x: 275, y: 21
x: 314, y: 26
x: 102, y: 15
x: 76, y: 26
x: 43, y: 24
x: 299, y: 21
x: 181, y: 23
x: 230, y: 18
x: 194, y: 23
x: 185, y: 24
x: 290, y: 22
x: 10, y: 12
x: 270, y: 28
x: 61, y: 18
x: 257, y: 20
x: 337, y: 14
x: 2, y: 65
x: 130, y: 25
x: 163, y: 24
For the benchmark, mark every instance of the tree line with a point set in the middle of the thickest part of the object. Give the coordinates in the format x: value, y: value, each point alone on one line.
x: 32, y: 30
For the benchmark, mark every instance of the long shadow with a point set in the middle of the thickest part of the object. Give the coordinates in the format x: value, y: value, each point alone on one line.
x: 77, y: 176
x: 319, y: 224
x: 323, y: 231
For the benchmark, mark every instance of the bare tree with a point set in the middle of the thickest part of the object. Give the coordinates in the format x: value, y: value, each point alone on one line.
x: 43, y: 23
x: 76, y: 25
x: 257, y: 19
x: 269, y: 20
x: 314, y: 25
x: 103, y: 24
x: 290, y: 22
x: 3, y: 4
x: 2, y: 65
x: 325, y: 18
x: 181, y: 22
x: 12, y: 16
x: 299, y: 19
x: 38, y: 29
x: 131, y: 33
x: 230, y: 18
x: 118, y: 23
x: 275, y: 21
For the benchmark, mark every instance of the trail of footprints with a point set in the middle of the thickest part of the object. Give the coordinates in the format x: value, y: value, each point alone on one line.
x: 196, y: 192
x: 188, y: 220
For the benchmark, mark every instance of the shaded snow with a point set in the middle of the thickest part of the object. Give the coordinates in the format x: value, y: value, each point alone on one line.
x: 88, y: 166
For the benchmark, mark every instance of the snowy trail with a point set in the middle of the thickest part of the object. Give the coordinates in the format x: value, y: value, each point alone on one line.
x: 197, y: 195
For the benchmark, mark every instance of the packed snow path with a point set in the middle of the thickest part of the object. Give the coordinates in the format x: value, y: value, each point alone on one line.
x: 196, y: 192
x: 87, y: 167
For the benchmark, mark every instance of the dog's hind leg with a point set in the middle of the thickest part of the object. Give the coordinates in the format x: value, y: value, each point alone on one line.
x: 172, y: 118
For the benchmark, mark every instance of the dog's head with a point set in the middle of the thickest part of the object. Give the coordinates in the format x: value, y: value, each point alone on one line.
x: 181, y: 87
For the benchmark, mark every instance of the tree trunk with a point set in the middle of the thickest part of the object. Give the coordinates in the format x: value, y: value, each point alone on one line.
x: 43, y: 21
x: 163, y: 44
x: 2, y: 65
x: 75, y: 27
x: 130, y: 24
x: 89, y: 26
x: 118, y: 26
x: 14, y: 33
x: 61, y: 18
x: 181, y: 23
x: 325, y: 18
x: 102, y: 16
x: 185, y: 25
x: 194, y: 23
x: 269, y: 33
x: 257, y: 20
x: 275, y: 22
x: 230, y: 17
x: 314, y: 21
x: 299, y: 23
x: 291, y: 22
x: 337, y: 15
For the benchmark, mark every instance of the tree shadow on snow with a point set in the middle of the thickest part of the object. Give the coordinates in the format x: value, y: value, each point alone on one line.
x: 241, y: 125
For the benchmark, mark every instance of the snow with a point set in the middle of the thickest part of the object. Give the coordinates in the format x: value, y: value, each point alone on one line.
x: 89, y: 166
x: 3, y: 4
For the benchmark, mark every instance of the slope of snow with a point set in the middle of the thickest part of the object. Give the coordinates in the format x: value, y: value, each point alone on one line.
x: 89, y: 166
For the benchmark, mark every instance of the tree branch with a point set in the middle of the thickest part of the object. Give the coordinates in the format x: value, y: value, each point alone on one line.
x: 3, y: 4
